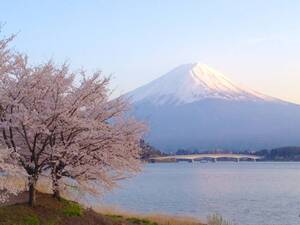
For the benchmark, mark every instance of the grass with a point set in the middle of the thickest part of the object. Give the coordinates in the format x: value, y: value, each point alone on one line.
x: 139, y: 221
x: 131, y: 220
x: 159, y: 219
x: 49, y: 211
x: 53, y: 212
x: 147, y: 219
x: 72, y: 209
x: 31, y: 220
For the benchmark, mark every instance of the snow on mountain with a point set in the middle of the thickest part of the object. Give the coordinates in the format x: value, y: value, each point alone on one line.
x: 192, y: 82
x: 196, y: 107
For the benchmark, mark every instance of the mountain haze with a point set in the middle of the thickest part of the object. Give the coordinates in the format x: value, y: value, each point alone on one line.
x: 196, y: 107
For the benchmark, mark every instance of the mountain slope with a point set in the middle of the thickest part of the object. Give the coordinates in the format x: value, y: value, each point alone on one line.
x: 196, y: 107
x: 192, y: 82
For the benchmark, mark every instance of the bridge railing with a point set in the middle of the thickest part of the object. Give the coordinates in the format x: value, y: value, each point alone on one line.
x: 213, y: 157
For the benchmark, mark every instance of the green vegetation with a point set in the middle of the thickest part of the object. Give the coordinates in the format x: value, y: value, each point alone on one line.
x: 31, y: 220
x: 131, y: 220
x: 72, y: 209
x: 281, y: 154
x: 149, y: 151
x: 115, y: 217
x: 50, y: 211
x: 139, y: 221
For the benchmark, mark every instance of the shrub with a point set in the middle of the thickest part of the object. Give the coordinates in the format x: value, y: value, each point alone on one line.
x: 73, y: 209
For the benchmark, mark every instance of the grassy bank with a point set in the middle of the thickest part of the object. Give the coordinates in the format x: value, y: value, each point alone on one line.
x: 52, y: 212
x: 158, y: 219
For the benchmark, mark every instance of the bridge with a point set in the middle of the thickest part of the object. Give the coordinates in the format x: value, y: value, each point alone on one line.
x: 198, y: 157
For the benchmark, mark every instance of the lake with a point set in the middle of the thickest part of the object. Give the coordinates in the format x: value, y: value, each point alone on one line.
x: 248, y: 193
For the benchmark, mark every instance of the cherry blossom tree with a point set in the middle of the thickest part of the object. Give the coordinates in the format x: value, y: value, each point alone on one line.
x: 11, y: 173
x: 96, y: 141
x: 100, y: 159
x: 62, y: 128
x: 28, y: 100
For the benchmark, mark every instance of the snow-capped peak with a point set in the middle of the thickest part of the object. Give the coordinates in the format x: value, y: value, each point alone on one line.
x: 193, y: 82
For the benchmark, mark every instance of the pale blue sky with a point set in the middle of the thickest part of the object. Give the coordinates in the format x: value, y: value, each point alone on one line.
x: 256, y: 43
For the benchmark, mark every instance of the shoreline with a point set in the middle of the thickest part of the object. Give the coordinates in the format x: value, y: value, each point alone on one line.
x: 51, y: 211
x: 164, y: 218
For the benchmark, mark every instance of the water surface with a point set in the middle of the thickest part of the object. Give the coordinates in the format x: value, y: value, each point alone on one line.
x: 248, y: 193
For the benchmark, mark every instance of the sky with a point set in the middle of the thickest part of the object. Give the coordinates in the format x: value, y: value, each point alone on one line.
x: 255, y: 43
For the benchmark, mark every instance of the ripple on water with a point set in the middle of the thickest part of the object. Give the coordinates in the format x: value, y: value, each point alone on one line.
x: 247, y: 193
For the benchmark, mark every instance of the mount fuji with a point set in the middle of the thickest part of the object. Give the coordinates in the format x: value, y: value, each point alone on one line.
x: 198, y: 108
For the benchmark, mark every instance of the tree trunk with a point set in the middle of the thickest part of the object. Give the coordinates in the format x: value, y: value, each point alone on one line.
x: 56, y: 194
x: 55, y: 186
x: 32, y: 193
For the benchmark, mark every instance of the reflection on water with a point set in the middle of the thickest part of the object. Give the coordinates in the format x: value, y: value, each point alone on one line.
x: 248, y: 193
